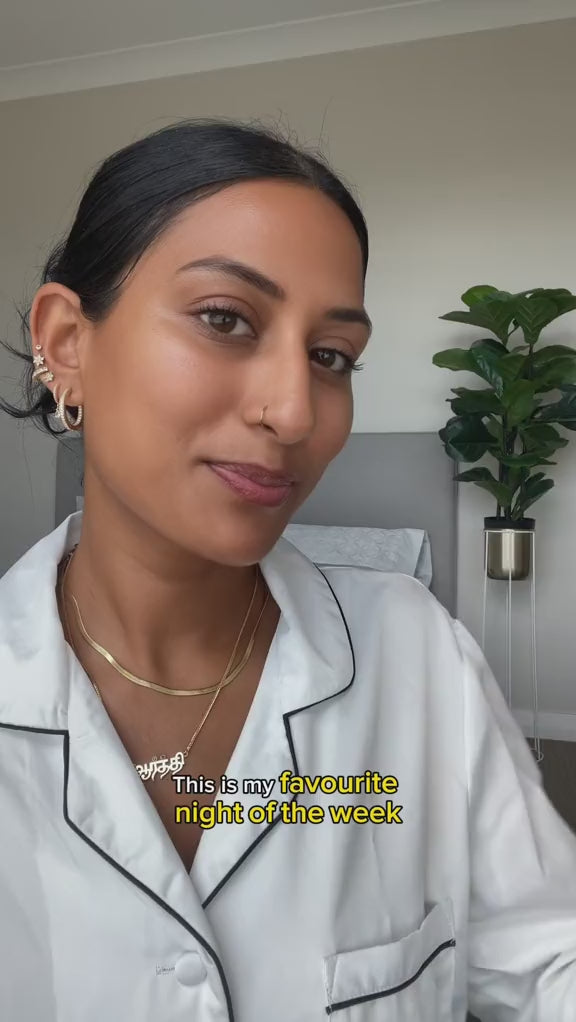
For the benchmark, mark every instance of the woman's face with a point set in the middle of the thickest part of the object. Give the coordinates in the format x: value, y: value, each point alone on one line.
x: 178, y: 373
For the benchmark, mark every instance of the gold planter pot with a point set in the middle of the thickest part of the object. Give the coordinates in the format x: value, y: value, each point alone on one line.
x: 507, y: 546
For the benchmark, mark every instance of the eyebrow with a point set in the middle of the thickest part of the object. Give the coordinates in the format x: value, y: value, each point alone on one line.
x: 249, y: 275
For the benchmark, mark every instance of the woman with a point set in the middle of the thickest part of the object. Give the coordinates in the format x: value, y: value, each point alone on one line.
x: 200, y: 324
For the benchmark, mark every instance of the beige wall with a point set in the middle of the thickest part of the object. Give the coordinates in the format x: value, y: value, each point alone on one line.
x: 463, y: 151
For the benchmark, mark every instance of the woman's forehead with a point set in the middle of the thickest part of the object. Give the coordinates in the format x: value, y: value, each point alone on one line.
x: 277, y: 226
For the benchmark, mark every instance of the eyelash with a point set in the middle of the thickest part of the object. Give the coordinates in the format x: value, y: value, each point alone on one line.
x: 351, y: 366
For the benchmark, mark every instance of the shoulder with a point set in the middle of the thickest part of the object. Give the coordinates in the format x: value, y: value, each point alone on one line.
x: 398, y: 627
x: 33, y: 652
x: 388, y: 596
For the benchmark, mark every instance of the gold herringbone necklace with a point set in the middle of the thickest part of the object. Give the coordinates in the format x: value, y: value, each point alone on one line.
x: 160, y: 766
x: 149, y: 684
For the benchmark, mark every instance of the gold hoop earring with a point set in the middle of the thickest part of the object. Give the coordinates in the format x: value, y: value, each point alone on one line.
x: 61, y: 412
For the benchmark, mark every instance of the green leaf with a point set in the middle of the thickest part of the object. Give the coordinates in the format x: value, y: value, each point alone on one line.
x: 496, y: 367
x: 564, y: 300
x: 494, y: 314
x: 548, y: 449
x: 556, y: 372
x: 513, y: 365
x: 533, y: 313
x: 478, y: 293
x: 490, y: 342
x: 469, y: 401
x: 541, y: 436
x: 495, y: 429
x: 486, y: 481
x: 517, y: 475
x: 562, y: 411
x: 551, y: 352
x: 523, y: 460
x: 551, y: 292
x: 465, y: 438
x: 518, y: 399
x: 454, y: 358
x: 535, y: 433
x: 530, y: 492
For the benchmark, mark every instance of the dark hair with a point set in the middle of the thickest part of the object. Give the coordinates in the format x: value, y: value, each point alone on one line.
x: 138, y: 192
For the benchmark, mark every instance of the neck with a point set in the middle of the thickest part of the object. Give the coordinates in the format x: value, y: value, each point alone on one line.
x: 153, y: 607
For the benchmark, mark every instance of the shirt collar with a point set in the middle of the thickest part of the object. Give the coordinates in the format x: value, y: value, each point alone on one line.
x: 37, y: 664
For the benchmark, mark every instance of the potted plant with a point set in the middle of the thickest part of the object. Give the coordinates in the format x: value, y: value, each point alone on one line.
x: 510, y: 420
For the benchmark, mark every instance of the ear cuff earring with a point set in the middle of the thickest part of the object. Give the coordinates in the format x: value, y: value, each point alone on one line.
x: 43, y: 373
x: 41, y: 370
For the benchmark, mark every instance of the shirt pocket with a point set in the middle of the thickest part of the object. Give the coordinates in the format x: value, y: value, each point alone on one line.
x: 409, y: 980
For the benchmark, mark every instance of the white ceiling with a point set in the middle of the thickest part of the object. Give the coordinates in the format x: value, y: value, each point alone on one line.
x: 52, y: 46
x: 38, y: 30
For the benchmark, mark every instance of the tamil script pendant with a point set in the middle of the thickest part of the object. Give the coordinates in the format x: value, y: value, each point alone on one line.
x: 160, y: 766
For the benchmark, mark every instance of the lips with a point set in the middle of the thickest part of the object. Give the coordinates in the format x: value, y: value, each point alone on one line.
x: 253, y: 490
x: 257, y: 473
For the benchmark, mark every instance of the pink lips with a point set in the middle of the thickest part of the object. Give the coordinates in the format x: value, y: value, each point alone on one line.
x: 269, y: 494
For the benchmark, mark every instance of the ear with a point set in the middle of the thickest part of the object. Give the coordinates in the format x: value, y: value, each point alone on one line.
x: 59, y: 326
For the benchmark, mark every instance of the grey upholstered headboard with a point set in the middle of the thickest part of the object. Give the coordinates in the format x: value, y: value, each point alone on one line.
x: 383, y: 480
x: 393, y: 481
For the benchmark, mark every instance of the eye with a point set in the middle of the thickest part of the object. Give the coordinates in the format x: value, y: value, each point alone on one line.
x: 224, y: 319
x: 349, y: 366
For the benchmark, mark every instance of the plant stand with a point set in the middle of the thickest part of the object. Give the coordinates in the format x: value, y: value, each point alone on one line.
x: 535, y: 742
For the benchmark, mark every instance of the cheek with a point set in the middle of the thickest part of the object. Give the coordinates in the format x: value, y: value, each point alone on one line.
x: 157, y: 384
x: 334, y: 416
x: 339, y: 417
x: 326, y: 443
x: 147, y: 417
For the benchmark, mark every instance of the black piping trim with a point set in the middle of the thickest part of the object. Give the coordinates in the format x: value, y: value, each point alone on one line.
x: 36, y: 730
x: 392, y: 990
x: 138, y: 883
x: 295, y: 767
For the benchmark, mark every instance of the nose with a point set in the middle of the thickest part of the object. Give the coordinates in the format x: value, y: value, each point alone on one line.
x: 287, y: 388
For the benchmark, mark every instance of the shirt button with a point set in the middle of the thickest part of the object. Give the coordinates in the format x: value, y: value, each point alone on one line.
x: 190, y: 969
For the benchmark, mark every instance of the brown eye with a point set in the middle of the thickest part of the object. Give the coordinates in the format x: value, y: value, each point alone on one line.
x: 347, y: 365
x: 225, y: 321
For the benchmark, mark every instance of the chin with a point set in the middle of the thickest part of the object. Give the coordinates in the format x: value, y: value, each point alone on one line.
x: 244, y: 547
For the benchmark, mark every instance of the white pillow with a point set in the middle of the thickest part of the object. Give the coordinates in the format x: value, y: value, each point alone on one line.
x: 403, y: 550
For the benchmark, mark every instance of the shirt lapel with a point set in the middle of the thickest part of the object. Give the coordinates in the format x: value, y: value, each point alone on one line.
x: 310, y: 660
